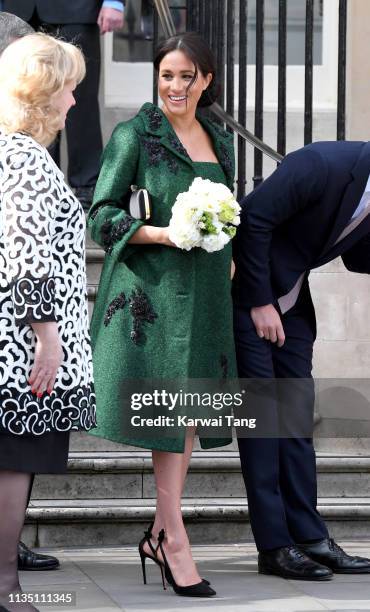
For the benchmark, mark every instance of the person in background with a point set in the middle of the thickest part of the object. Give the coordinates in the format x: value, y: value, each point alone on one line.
x: 12, y: 28
x: 312, y: 209
x: 46, y: 387
x: 79, y: 22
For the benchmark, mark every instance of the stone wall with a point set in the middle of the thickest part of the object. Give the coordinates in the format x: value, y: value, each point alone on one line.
x: 342, y: 302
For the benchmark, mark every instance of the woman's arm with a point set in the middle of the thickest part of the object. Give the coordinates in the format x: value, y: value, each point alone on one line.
x: 147, y: 234
x: 27, y: 194
x: 111, y: 226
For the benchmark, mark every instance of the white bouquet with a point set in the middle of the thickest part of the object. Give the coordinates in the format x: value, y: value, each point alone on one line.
x: 205, y: 216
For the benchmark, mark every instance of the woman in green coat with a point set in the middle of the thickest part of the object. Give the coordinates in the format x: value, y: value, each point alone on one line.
x: 162, y: 312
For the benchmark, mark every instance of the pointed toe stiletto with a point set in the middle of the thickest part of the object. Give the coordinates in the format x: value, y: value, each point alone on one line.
x: 200, y: 589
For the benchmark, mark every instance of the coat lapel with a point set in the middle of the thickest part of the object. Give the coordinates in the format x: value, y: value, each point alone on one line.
x: 351, y: 197
x: 173, y: 144
x: 157, y: 125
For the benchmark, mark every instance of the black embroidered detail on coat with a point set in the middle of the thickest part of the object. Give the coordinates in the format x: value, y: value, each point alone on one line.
x: 157, y: 154
x: 111, y: 234
x: 117, y: 304
x: 225, y: 157
x: 105, y: 232
x: 220, y: 130
x: 224, y: 366
x: 95, y: 211
x: 155, y: 118
x: 177, y: 145
x: 142, y: 312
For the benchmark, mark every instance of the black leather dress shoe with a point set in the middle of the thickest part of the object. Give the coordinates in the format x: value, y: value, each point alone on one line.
x: 29, y: 560
x: 330, y: 554
x: 290, y: 562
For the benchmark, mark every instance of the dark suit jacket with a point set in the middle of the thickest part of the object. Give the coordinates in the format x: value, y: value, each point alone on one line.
x: 56, y: 11
x: 289, y: 224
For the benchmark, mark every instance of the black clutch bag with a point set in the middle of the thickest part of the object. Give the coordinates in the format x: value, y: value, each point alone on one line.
x: 140, y: 206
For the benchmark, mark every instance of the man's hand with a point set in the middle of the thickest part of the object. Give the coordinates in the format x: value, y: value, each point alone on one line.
x: 268, y: 324
x: 232, y: 271
x: 110, y: 20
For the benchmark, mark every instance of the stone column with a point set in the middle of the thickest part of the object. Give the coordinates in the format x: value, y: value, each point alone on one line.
x: 358, y: 70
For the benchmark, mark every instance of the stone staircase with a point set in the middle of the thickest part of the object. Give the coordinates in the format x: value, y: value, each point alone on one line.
x: 108, y: 496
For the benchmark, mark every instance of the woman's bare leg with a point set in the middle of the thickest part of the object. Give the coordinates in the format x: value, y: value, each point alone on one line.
x: 186, y: 456
x: 189, y: 443
x: 170, y: 472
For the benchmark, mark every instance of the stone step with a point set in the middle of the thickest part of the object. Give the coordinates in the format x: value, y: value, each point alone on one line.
x: 108, y: 522
x: 89, y: 243
x: 129, y: 475
x: 94, y: 261
x: 81, y: 441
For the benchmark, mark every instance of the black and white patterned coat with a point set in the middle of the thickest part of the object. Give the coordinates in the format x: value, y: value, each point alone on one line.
x: 42, y: 278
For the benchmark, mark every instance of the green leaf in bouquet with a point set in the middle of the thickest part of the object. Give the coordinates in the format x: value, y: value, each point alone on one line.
x: 207, y: 226
x: 230, y: 230
x: 227, y: 213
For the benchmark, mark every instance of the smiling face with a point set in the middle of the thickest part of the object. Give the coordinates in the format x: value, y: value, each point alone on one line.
x: 63, y: 101
x: 176, y: 71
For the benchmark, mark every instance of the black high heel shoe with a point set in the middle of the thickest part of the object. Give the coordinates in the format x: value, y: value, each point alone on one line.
x: 145, y: 555
x: 200, y: 589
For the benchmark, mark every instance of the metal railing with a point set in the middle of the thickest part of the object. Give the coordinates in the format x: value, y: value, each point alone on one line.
x: 215, y: 21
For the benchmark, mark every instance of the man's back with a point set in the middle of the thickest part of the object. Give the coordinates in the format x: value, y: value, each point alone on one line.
x: 290, y: 223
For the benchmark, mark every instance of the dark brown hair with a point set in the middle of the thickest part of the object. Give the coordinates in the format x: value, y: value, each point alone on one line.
x: 198, y: 52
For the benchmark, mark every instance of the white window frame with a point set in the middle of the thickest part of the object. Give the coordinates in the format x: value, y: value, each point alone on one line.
x: 129, y: 85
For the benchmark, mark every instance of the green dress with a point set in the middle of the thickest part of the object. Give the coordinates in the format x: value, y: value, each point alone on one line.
x: 160, y: 312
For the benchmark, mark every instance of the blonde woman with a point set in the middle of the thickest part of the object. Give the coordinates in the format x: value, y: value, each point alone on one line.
x: 46, y: 387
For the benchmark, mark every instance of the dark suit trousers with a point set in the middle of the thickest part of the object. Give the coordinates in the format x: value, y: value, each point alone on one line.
x: 84, y: 139
x: 280, y: 473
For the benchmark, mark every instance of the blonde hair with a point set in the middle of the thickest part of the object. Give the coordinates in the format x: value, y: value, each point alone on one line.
x: 32, y: 70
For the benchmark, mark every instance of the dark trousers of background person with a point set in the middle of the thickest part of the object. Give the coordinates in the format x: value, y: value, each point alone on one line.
x: 280, y: 473
x: 84, y: 139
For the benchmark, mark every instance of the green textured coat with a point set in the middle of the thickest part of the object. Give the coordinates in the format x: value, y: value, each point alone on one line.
x: 160, y: 312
